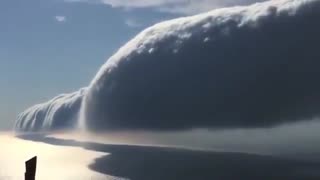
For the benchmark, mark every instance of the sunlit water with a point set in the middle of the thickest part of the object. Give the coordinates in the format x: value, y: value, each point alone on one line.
x: 54, y: 162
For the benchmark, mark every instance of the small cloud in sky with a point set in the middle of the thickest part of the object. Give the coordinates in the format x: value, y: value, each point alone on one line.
x: 133, y: 23
x: 60, y: 18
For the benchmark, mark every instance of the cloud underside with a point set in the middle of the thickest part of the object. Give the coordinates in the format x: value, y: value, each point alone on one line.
x: 241, y: 67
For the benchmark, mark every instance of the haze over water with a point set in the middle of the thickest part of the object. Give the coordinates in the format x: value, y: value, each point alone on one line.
x: 70, y: 155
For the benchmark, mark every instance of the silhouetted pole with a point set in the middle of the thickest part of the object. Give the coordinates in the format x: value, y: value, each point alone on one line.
x: 31, y: 166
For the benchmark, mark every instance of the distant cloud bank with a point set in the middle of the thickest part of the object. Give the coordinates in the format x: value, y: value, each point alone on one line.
x: 239, y: 67
x: 171, y: 6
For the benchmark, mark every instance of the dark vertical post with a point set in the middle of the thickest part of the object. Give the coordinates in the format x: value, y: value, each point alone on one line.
x: 31, y: 166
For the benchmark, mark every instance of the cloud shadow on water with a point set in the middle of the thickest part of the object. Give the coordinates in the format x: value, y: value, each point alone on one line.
x: 146, y: 162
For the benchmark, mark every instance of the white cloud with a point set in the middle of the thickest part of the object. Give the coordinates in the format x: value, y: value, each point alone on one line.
x: 60, y: 18
x: 228, y: 68
x: 171, y: 6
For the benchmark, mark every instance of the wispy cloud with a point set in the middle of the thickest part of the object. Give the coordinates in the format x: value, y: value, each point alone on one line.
x: 171, y: 6
x: 133, y: 23
x: 60, y: 18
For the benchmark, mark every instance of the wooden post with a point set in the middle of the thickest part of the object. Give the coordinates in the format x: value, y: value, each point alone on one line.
x: 31, y: 166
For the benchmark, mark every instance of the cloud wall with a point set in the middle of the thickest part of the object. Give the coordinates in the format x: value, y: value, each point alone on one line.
x: 253, y: 66
x: 59, y: 113
x: 239, y: 67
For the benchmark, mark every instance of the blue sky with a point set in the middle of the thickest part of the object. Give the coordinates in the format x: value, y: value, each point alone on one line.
x: 50, y: 47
